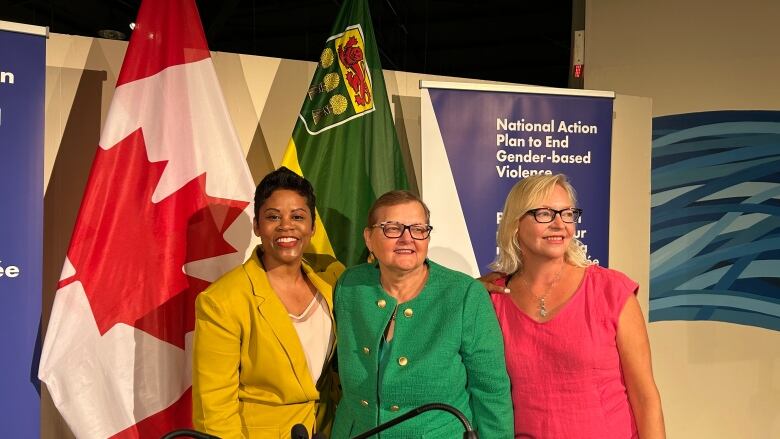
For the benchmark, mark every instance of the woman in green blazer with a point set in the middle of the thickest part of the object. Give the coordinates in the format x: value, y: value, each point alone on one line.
x: 412, y: 332
x: 264, y: 332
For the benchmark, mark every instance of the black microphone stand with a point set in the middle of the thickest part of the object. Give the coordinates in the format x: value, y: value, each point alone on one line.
x: 189, y: 433
x: 468, y: 434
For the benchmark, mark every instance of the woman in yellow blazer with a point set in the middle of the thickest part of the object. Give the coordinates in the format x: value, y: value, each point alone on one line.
x: 264, y: 332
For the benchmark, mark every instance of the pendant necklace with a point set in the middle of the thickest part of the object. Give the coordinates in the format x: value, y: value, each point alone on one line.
x: 543, y: 312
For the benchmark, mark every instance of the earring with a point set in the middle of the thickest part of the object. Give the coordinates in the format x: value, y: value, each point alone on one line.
x: 371, y: 258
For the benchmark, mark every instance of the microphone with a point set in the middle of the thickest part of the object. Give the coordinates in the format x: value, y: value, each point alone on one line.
x: 299, y: 431
x: 189, y: 433
x: 468, y: 434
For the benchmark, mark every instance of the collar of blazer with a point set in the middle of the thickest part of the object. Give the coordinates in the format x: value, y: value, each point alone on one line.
x: 274, y: 312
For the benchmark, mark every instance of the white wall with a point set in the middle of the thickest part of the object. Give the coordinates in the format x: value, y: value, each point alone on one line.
x: 717, y: 380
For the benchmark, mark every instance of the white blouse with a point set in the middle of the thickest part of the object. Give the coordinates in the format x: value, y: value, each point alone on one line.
x: 315, y: 331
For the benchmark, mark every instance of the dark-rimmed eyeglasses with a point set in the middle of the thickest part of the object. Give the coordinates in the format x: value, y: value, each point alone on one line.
x: 392, y: 229
x: 546, y: 215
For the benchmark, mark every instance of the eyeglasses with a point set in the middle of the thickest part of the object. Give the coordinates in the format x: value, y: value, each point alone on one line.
x: 546, y: 215
x: 392, y: 229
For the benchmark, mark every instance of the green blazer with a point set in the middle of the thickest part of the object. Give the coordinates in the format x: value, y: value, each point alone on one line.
x: 447, y: 347
x: 249, y: 377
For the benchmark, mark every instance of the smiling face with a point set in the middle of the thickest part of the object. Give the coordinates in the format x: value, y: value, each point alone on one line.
x: 285, y: 225
x: 550, y: 240
x: 402, y: 254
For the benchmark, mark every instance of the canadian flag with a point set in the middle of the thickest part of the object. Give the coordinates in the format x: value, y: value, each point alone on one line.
x: 166, y: 212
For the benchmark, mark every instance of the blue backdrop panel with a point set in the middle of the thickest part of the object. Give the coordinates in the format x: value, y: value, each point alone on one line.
x: 493, y: 139
x: 22, y: 81
x: 715, y: 228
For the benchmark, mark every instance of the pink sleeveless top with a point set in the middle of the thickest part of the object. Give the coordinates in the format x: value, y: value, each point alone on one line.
x: 565, y: 373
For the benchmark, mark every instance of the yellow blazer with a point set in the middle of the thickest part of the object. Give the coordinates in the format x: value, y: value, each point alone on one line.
x: 250, y: 378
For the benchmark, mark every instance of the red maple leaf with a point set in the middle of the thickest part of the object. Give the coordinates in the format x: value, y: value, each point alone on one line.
x: 129, y: 252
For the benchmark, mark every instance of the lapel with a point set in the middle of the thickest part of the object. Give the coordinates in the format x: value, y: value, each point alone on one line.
x: 326, y: 289
x: 273, y: 311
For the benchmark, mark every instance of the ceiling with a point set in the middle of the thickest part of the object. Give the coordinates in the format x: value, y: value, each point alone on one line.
x: 517, y: 41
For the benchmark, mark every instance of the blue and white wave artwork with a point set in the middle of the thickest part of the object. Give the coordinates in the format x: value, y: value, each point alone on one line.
x: 715, y: 218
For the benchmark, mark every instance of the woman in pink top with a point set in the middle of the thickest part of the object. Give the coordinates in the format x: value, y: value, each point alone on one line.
x: 576, y: 345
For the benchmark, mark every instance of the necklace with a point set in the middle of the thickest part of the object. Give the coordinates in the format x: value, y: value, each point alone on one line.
x: 543, y: 312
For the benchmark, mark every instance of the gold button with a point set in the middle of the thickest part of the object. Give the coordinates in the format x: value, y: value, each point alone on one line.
x: 394, y: 408
x: 408, y: 312
x: 364, y: 403
x: 381, y: 303
x: 366, y: 350
x: 403, y: 361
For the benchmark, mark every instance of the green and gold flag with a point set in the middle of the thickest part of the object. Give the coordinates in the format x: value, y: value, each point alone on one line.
x: 344, y: 141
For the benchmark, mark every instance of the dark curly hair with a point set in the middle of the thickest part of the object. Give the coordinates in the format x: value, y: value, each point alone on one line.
x: 284, y: 178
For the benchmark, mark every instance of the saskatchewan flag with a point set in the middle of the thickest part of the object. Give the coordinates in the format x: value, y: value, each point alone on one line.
x: 344, y: 141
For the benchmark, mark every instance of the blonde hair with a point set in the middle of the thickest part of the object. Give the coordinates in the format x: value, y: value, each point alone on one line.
x: 527, y: 194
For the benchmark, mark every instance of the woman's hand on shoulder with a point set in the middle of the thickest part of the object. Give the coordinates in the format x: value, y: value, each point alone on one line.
x: 488, y: 281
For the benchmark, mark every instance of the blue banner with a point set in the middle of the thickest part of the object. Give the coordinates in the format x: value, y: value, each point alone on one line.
x: 22, y: 82
x: 494, y: 138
